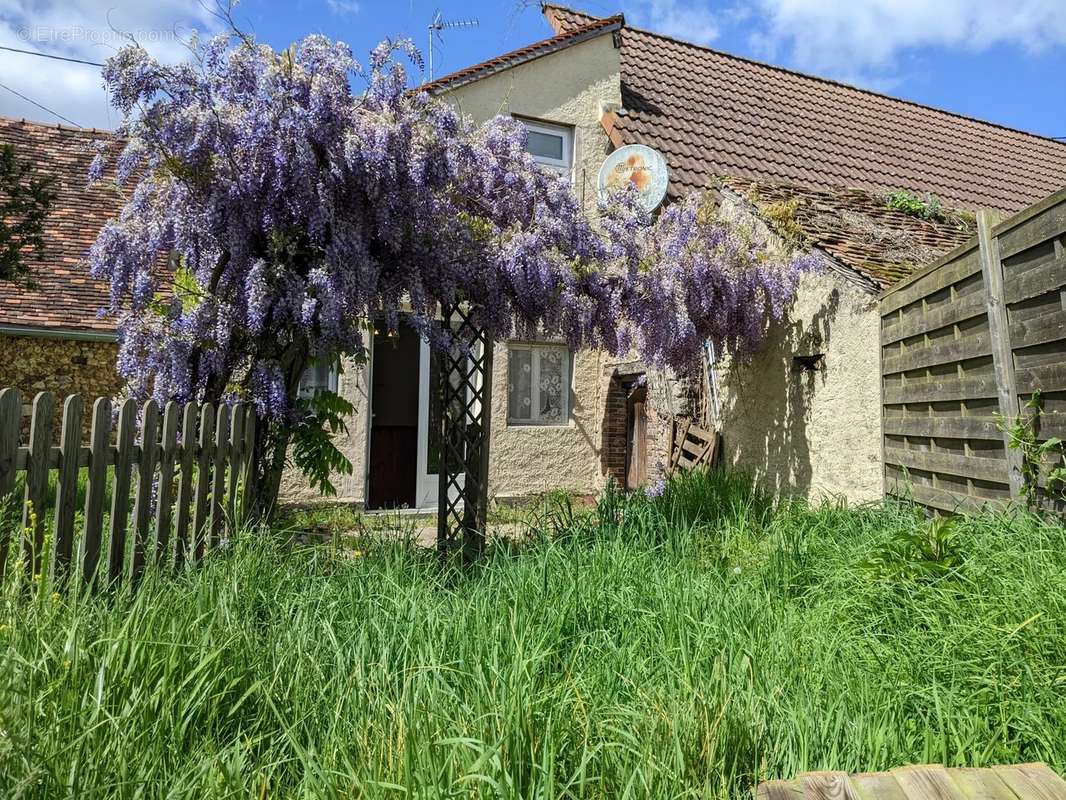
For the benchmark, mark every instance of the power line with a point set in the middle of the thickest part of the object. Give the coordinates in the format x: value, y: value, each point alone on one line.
x: 49, y: 55
x: 43, y: 108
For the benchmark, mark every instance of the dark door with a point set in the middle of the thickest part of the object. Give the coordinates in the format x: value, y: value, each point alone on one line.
x: 394, y: 420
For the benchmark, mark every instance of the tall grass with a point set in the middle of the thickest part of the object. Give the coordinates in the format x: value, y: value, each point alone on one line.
x: 682, y: 647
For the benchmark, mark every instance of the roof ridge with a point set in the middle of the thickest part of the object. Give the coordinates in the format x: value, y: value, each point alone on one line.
x: 843, y: 85
x: 52, y: 125
x: 525, y: 53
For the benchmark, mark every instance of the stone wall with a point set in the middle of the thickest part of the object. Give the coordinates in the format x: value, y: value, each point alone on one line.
x: 62, y: 366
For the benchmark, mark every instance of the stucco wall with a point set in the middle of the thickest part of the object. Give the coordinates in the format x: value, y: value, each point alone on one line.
x: 354, y: 387
x: 63, y: 366
x: 812, y: 433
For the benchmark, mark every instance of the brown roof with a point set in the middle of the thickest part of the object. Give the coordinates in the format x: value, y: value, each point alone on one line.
x: 715, y: 114
x: 65, y: 296
x: 573, y: 35
x: 856, y: 227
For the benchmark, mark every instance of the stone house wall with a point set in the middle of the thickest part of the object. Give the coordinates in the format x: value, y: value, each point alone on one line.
x: 34, y: 364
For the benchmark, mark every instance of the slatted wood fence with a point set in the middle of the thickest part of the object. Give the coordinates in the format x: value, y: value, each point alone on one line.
x: 173, y: 481
x: 969, y: 338
x: 690, y: 446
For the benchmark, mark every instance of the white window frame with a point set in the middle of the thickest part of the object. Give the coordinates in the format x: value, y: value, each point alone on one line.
x: 565, y: 165
x: 534, y: 384
x: 305, y: 392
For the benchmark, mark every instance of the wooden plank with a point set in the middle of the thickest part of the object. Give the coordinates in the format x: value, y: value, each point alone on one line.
x: 965, y: 308
x: 943, y: 389
x: 203, y: 478
x: 932, y: 355
x: 234, y: 460
x: 670, y: 444
x: 168, y: 455
x: 66, y: 488
x: 1038, y: 330
x: 943, y: 427
x: 142, y: 505
x: 187, y: 457
x: 944, y: 499
x: 1028, y: 213
x: 10, y: 424
x: 780, y: 790
x: 35, y: 500
x: 929, y: 782
x: 960, y: 264
x: 694, y: 448
x: 120, y: 490
x: 999, y: 331
x: 1032, y: 782
x: 987, y: 469
x: 827, y: 786
x: 1035, y: 282
x: 1045, y: 377
x: 981, y: 784
x: 877, y: 786
x: 248, y: 468
x: 99, y: 450
x: 1046, y: 224
x: 218, y: 476
x: 700, y: 433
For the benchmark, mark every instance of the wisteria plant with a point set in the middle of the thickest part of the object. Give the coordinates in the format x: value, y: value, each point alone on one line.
x: 278, y: 201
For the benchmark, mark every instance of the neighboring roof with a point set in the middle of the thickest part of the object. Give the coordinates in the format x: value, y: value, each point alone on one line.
x: 65, y: 296
x: 714, y: 114
x: 574, y: 35
x: 856, y: 227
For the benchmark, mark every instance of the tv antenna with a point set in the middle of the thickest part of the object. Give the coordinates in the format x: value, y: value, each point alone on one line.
x: 437, y: 28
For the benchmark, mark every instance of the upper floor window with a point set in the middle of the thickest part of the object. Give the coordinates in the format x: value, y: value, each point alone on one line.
x: 551, y: 146
x: 538, y: 384
x: 319, y: 377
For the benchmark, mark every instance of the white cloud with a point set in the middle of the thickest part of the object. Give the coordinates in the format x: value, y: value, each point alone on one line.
x: 689, y: 21
x: 854, y: 36
x: 343, y: 8
x: 89, y: 30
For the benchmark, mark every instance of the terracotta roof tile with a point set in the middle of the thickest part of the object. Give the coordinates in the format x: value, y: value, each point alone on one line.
x: 65, y: 296
x: 856, y: 227
x: 715, y: 114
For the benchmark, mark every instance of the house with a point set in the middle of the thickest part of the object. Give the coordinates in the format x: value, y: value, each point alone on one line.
x: 804, y: 162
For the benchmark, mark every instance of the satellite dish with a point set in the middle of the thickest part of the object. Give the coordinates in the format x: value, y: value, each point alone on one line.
x: 640, y: 166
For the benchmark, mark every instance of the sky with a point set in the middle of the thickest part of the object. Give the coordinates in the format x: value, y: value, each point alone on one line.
x: 1000, y: 60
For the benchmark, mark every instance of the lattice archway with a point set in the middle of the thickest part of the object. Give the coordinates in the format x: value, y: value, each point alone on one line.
x: 464, y: 395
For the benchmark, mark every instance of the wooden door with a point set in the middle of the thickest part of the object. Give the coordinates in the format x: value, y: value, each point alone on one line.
x: 636, y: 439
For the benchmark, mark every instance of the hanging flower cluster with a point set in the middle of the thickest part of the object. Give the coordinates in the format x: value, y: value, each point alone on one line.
x: 295, y: 208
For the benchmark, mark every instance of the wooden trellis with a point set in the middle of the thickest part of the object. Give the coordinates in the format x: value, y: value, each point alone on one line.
x: 690, y: 446
x: 465, y: 397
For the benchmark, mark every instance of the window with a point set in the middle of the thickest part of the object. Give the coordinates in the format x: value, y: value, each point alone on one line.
x: 538, y: 385
x: 318, y: 378
x: 551, y: 145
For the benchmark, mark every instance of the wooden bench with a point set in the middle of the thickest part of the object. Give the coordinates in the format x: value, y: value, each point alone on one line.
x: 925, y: 782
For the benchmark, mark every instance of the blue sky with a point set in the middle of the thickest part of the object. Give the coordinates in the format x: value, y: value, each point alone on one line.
x: 985, y: 58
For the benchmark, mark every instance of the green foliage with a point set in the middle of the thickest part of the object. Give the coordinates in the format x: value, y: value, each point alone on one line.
x: 314, y: 453
x: 1043, y: 460
x: 928, y: 207
x: 25, y: 201
x: 634, y: 654
x: 918, y: 553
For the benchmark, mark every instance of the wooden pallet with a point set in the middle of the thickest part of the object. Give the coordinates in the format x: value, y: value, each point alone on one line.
x: 925, y: 782
x: 690, y: 446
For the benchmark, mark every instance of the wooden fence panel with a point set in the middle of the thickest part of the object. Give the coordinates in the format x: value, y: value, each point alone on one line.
x: 34, y: 511
x: 690, y: 446
x: 66, y: 487
x: 96, y: 489
x: 964, y: 343
x: 195, y: 482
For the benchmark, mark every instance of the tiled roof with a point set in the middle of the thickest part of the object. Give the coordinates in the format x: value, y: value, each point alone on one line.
x: 713, y: 114
x: 856, y: 227
x: 65, y: 297
x: 571, y: 36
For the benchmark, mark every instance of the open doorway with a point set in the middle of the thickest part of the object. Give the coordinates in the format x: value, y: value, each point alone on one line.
x: 395, y: 371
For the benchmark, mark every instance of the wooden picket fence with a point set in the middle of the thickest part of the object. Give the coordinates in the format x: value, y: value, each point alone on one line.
x: 690, y: 446
x: 186, y: 491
